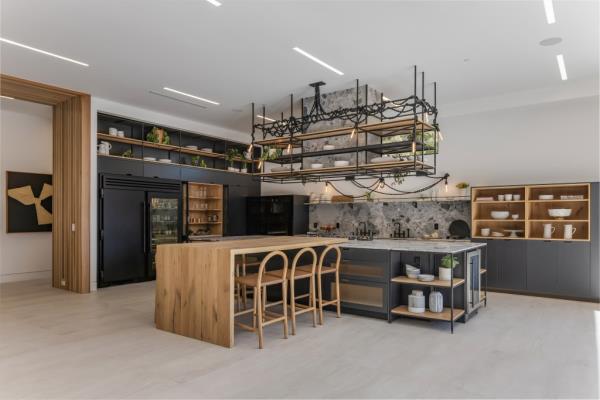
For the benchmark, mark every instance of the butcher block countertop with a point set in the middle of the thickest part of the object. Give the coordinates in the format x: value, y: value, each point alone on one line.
x: 195, y: 283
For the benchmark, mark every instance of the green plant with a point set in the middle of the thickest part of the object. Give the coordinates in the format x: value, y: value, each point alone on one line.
x: 369, y: 196
x: 127, y: 153
x: 202, y: 164
x: 449, y: 261
x: 196, y: 161
x: 232, y: 155
x: 462, y: 185
x: 398, y: 178
x: 158, y: 135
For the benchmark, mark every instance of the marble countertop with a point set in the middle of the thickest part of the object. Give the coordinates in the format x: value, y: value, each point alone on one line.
x: 430, y: 246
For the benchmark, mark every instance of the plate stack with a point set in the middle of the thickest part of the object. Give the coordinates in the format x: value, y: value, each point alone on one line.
x: 412, y: 272
x: 416, y: 302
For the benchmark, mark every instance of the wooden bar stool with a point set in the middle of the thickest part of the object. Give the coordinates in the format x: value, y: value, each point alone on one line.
x: 323, y: 270
x: 296, y: 273
x: 242, y: 263
x: 259, y: 282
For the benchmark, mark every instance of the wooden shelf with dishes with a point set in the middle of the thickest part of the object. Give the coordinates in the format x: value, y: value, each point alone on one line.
x: 203, y: 208
x: 445, y: 315
x: 434, y: 283
x: 541, y: 212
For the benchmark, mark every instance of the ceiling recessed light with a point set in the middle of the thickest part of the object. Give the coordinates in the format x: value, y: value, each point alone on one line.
x: 561, y: 67
x: 215, y: 3
x: 549, y: 9
x: 7, y: 97
x: 551, y: 41
x: 315, y: 59
x: 266, y: 118
x: 191, y: 95
x: 42, y: 51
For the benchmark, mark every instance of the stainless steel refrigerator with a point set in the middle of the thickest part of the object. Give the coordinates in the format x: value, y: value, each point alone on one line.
x: 135, y: 215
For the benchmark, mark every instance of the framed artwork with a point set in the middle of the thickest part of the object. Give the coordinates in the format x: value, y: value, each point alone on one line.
x: 28, y: 202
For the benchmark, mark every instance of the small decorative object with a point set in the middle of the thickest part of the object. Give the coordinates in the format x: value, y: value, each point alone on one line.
x: 26, y: 212
x: 516, y: 197
x: 416, y: 302
x: 548, y: 231
x: 112, y: 131
x: 500, y: 214
x: 463, y: 187
x: 448, y: 263
x: 191, y: 147
x: 127, y: 154
x: 559, y: 213
x: 514, y: 232
x: 569, y: 231
x: 158, y: 135
x: 497, y: 234
x: 436, y: 302
x: 546, y: 197
x: 485, y: 231
x: 328, y: 146
x: 571, y: 197
x: 508, y: 197
x: 515, y: 216
x: 231, y: 156
x: 121, y: 134
x: 500, y: 197
x: 104, y: 148
x: 412, y: 272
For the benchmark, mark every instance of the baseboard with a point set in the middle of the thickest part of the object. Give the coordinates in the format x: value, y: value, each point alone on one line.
x: 547, y: 295
x: 26, y: 276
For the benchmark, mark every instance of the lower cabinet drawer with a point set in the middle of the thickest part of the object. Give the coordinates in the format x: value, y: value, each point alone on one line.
x: 361, y: 295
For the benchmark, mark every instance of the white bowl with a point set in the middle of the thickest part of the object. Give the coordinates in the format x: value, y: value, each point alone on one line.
x: 316, y: 166
x: 207, y: 149
x: 546, y: 197
x: 485, y: 231
x: 500, y: 214
x: 341, y: 163
x: 149, y: 158
x: 413, y: 275
x: 559, y: 212
x: 425, y: 277
x: 191, y: 146
x: 165, y: 160
x: 328, y: 147
x: 497, y: 234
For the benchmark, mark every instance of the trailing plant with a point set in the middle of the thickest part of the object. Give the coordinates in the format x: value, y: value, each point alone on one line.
x: 232, y: 155
x: 449, y: 261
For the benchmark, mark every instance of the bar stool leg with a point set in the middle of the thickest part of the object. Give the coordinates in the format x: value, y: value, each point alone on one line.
x: 292, y: 306
x: 337, y: 293
x: 285, y: 314
x: 259, y: 317
x: 320, y: 294
x: 244, y: 290
x: 312, y: 300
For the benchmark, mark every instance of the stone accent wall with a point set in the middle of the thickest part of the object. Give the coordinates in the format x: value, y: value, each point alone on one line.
x: 419, y: 217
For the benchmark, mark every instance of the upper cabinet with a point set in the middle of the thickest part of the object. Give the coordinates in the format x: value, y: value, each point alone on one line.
x: 543, y: 212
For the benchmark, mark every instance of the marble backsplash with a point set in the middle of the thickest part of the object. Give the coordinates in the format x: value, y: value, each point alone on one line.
x: 419, y: 217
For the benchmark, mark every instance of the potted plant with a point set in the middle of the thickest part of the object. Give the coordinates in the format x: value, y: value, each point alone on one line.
x: 231, y: 156
x: 158, y: 135
x: 446, y: 266
x: 244, y: 166
x: 463, y: 187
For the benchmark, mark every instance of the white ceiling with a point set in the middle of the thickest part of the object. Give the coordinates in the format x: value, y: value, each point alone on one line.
x: 242, y: 51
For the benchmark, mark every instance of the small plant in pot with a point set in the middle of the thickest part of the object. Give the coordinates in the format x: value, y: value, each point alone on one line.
x: 447, y: 264
x: 463, y: 187
x: 244, y: 167
x: 232, y: 155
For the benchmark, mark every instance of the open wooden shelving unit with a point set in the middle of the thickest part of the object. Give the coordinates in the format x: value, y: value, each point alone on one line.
x: 203, y: 208
x: 445, y: 315
x: 533, y: 212
x: 434, y: 283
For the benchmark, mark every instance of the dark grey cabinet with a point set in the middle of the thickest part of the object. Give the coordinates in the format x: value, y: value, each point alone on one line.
x: 511, y: 259
x: 573, y: 272
x: 162, y: 171
x: 542, y: 265
x: 490, y: 262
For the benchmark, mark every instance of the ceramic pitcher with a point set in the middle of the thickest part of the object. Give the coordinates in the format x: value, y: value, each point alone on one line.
x: 548, y: 231
x: 569, y: 231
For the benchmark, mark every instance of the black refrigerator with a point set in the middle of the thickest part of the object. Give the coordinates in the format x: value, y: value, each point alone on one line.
x: 277, y: 215
x: 134, y: 216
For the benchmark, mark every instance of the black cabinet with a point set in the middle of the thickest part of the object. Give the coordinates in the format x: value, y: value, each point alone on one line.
x: 573, y: 272
x: 162, y: 171
x: 277, y: 215
x: 542, y: 264
x: 511, y: 259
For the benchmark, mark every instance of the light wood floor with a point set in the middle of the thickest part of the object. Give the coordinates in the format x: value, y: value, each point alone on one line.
x: 55, y: 344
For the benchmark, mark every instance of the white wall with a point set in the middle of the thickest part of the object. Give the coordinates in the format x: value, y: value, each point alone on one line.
x: 25, y: 146
x: 129, y: 111
x: 555, y: 141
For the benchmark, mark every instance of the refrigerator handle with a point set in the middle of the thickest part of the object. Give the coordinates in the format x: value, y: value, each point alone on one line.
x: 144, y: 228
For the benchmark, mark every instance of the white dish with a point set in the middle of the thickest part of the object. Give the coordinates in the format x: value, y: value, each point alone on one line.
x: 425, y: 277
x: 500, y: 214
x: 571, y: 197
x: 165, y: 160
x: 149, y: 158
x: 328, y: 147
x: 192, y: 147
x: 207, y: 149
x: 280, y: 169
x: 515, y: 216
x: 559, y: 212
x: 316, y: 166
x: 497, y: 234
x: 341, y: 163
x: 485, y: 231
x: 382, y: 159
x: 546, y: 197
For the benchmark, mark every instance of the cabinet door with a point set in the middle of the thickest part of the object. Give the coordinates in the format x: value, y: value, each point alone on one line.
x: 490, y: 262
x: 511, y: 258
x: 123, y: 242
x: 542, y: 263
x: 574, y: 269
x: 372, y: 265
x: 162, y: 171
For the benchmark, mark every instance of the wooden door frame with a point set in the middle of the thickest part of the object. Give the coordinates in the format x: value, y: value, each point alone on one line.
x: 71, y: 132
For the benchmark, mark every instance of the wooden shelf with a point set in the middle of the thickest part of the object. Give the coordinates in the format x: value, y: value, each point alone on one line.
x: 124, y: 158
x: 558, y: 220
x: 498, y: 237
x: 119, y: 139
x: 204, y: 198
x: 398, y: 127
x: 499, y: 220
x: 498, y: 202
x: 205, y: 210
x: 558, y: 201
x: 558, y: 239
x: 205, y: 223
x: 443, y: 316
x: 405, y: 280
x: 363, y: 167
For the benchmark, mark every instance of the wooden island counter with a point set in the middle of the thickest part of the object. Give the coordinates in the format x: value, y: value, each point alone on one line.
x: 195, y: 283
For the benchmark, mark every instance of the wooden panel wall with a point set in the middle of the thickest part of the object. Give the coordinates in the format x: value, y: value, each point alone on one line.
x: 71, y: 170
x: 71, y: 177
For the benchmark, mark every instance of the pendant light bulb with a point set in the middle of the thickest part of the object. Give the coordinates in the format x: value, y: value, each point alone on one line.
x: 414, y: 147
x: 353, y: 132
x: 250, y: 148
x: 289, y: 148
x: 440, y: 136
x: 381, y: 183
x: 327, y: 187
x: 446, y: 185
x: 260, y: 164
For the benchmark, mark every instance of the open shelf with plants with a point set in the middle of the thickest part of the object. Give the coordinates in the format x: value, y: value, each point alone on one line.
x: 561, y: 206
x: 151, y: 143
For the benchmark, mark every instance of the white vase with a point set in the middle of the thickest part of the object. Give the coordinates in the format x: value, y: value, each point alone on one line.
x: 436, y: 302
x: 232, y: 169
x: 244, y: 170
x: 445, y: 274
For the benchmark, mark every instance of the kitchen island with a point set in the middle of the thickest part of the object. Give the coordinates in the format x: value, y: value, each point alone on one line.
x: 195, y: 283
x: 373, y: 279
